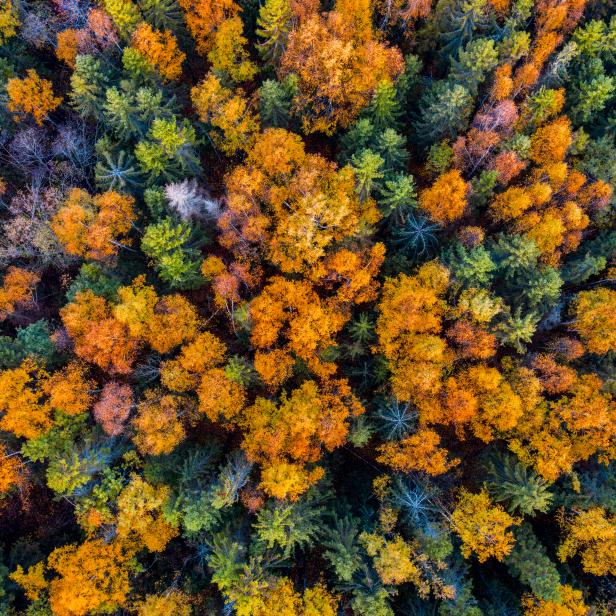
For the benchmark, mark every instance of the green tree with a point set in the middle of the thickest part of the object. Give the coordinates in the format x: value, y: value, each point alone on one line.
x: 275, y: 102
x: 273, y: 26
x: 530, y: 563
x: 368, y: 168
x: 444, y: 111
x: 171, y: 246
x: 384, y: 108
x: 520, y: 488
x: 474, y: 63
x: 88, y: 86
x: 168, y: 153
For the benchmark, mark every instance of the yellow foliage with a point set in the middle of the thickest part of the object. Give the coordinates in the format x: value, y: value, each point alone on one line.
x: 140, y: 515
x: 31, y: 95
x: 160, y: 49
x: 482, y: 526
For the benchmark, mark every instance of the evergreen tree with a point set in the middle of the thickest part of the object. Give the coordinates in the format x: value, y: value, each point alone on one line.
x: 444, y: 111
x: 529, y: 562
x: 520, y: 488
x: 172, y: 248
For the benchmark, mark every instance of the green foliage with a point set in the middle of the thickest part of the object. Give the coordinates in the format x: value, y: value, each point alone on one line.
x: 32, y: 341
x: 520, y: 488
x: 470, y: 267
x: 445, y: 110
x: 273, y: 25
x: 474, y: 63
x: 88, y: 86
x: 368, y: 168
x: 398, y: 197
x: 517, y: 329
x: 168, y: 152
x: 115, y: 168
x: 384, y: 108
x: 342, y: 548
x: 530, y: 563
x: 171, y: 246
x: 288, y: 526
x: 275, y: 102
x: 94, y: 277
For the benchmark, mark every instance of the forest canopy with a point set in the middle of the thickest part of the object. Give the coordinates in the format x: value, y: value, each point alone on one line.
x: 307, y: 307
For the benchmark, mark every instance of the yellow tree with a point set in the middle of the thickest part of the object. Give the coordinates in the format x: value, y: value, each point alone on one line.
x: 141, y: 521
x: 229, y: 113
x: 160, y: 49
x: 93, y: 576
x: 482, y: 526
x: 595, y: 319
x: 592, y: 535
x: 32, y: 96
x: 339, y: 63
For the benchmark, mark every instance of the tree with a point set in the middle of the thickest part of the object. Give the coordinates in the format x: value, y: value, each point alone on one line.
x: 233, y: 123
x: 31, y: 95
x: 275, y: 103
x: 332, y: 93
x: 24, y: 412
x: 294, y: 432
x: 273, y: 26
x: 125, y: 15
x: 571, y: 603
x: 445, y: 111
x: 592, y: 534
x: 97, y: 335
x: 418, y: 452
x: 522, y: 490
x: 163, y: 322
x: 408, y: 328
x: 88, y: 86
x: 168, y: 151
x: 141, y: 520
x: 113, y: 407
x: 9, y: 22
x: 160, y: 49
x: 93, y: 575
x: 93, y: 227
x: 17, y: 290
x: 530, y: 563
x: 482, y: 527
x: 594, y: 319
x: 172, y: 603
x: 172, y: 249
x: 445, y: 200
x: 229, y: 57
x: 11, y: 471
x: 158, y: 423
x: 550, y: 143
x: 203, y: 19
x: 282, y: 184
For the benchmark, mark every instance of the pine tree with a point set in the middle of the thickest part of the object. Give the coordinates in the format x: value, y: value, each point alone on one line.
x: 444, y: 111
x: 391, y: 146
x: 517, y: 329
x: 342, y: 548
x: 275, y: 103
x: 171, y: 246
x: 529, y: 562
x: 115, y: 169
x: 384, y: 109
x: 368, y: 171
x: 88, y: 86
x: 273, y: 25
x: 520, y: 488
x: 398, y: 198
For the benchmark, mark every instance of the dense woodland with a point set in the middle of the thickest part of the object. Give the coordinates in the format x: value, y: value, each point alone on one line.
x: 307, y: 307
